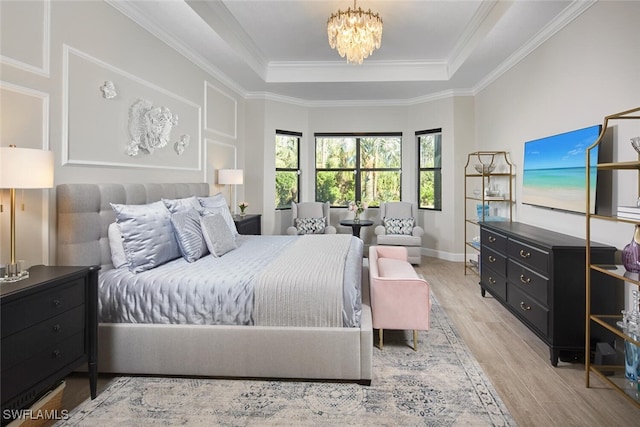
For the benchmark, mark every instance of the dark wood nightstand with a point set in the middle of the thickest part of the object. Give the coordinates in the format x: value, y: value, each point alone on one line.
x: 248, y: 224
x: 49, y: 328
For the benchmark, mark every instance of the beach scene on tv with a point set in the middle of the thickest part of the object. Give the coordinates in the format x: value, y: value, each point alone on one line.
x: 554, y: 173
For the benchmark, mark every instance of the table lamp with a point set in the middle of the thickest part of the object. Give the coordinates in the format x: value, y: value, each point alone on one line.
x: 22, y: 168
x: 230, y: 177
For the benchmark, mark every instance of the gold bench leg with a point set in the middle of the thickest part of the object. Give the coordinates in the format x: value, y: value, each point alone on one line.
x: 415, y: 340
x: 380, y: 338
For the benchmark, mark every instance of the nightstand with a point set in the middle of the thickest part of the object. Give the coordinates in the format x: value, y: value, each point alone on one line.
x: 49, y: 328
x: 248, y: 224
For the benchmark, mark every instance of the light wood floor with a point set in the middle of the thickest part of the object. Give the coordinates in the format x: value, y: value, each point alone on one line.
x: 515, y: 360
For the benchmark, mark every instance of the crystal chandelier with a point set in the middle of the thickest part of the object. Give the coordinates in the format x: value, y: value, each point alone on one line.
x: 355, y: 33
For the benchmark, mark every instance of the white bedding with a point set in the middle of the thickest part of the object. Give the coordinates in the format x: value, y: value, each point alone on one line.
x: 211, y: 291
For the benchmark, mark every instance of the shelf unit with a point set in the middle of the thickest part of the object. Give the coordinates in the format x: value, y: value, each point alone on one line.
x: 609, y: 374
x: 475, y: 195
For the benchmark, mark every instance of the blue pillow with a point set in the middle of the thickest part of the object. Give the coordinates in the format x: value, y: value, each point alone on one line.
x: 186, y: 225
x: 181, y: 205
x: 147, y: 235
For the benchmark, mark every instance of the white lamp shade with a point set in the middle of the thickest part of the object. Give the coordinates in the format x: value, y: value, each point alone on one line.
x: 25, y: 168
x: 230, y: 176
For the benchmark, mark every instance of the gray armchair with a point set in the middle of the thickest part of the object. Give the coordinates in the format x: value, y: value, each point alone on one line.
x: 399, y: 228
x: 310, y: 218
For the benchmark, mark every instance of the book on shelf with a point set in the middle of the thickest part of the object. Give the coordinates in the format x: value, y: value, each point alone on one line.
x: 629, y: 212
x: 629, y: 209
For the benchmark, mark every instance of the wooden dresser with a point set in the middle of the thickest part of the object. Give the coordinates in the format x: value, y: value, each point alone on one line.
x: 539, y: 275
x: 49, y: 328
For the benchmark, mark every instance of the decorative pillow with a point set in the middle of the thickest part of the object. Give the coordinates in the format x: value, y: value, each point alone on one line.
x: 311, y: 225
x: 118, y: 257
x: 398, y: 225
x: 181, y: 205
x: 186, y: 226
x: 147, y: 234
x: 216, y: 204
x: 217, y: 235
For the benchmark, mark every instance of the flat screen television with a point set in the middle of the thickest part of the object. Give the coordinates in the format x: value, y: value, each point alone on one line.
x: 554, y: 170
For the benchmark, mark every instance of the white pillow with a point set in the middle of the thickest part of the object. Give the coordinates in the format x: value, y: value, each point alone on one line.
x: 147, y: 234
x: 216, y: 204
x: 118, y: 257
x: 216, y: 233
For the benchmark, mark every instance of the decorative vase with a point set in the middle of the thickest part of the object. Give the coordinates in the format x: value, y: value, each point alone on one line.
x: 242, y: 213
x: 631, y: 326
x: 631, y: 253
x: 356, y: 218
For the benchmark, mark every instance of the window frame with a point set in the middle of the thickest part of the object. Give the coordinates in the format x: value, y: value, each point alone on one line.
x: 298, y: 136
x: 438, y: 169
x: 358, y: 169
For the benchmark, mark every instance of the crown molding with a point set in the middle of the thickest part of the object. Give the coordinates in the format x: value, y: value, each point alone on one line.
x: 571, y: 12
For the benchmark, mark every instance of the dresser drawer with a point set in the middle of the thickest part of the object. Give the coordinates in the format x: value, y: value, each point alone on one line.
x: 25, y: 312
x: 494, y: 260
x: 529, y: 256
x: 493, y: 240
x: 28, y: 342
x: 530, y: 282
x: 42, y: 365
x: 529, y: 309
x: 494, y: 282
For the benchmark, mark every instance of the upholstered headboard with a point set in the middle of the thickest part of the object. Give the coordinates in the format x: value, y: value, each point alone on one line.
x: 84, y: 214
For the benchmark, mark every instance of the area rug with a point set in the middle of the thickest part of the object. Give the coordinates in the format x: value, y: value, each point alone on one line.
x: 439, y: 385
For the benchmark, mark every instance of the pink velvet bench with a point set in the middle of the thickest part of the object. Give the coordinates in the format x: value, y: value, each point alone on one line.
x: 399, y: 297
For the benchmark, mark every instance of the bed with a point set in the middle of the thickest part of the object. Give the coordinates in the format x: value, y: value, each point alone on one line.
x: 335, y: 352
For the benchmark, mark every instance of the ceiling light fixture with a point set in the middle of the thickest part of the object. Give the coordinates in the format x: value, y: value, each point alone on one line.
x: 355, y: 33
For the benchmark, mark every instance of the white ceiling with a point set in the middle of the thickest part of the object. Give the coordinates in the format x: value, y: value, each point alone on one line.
x: 279, y: 48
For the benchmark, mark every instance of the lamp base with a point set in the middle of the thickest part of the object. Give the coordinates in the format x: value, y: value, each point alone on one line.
x: 13, y: 273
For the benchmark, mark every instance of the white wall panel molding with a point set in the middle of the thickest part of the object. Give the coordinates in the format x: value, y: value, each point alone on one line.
x: 95, y: 130
x: 219, y: 155
x: 25, y: 39
x: 220, y: 112
x: 27, y: 134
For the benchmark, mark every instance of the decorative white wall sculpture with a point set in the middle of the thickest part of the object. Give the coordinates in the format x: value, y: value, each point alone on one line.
x: 108, y: 90
x: 182, y: 144
x: 149, y: 127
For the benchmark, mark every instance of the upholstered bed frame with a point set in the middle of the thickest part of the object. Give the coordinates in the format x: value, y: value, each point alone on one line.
x: 83, y: 216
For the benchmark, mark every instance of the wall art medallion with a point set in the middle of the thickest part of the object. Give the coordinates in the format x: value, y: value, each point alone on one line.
x: 108, y: 90
x: 149, y: 127
x: 182, y: 144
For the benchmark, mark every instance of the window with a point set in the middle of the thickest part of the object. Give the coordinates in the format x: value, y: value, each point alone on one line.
x: 365, y: 167
x: 287, y: 168
x: 430, y: 169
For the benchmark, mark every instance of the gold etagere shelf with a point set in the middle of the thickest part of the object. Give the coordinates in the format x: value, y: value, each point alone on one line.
x: 614, y: 375
x: 487, y: 169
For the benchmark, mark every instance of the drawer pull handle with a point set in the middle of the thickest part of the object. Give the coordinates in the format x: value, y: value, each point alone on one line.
x: 492, y: 258
x: 524, y: 307
x: 492, y: 280
x: 57, y: 354
x: 57, y: 302
x: 524, y: 254
x: 525, y: 280
x: 56, y: 328
x: 492, y: 239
